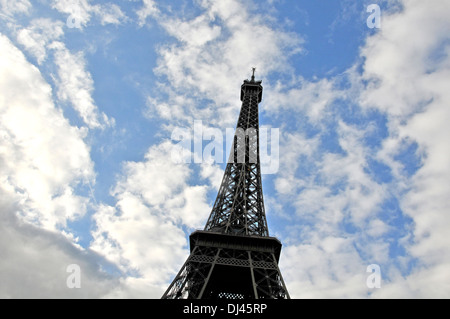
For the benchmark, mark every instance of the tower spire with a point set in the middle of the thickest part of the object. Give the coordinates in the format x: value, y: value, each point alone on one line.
x: 234, y: 257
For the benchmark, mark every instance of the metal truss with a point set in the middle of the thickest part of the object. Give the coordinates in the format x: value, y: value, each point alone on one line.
x: 239, y: 206
x: 234, y: 257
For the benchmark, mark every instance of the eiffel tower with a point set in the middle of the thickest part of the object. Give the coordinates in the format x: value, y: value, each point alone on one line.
x: 234, y: 257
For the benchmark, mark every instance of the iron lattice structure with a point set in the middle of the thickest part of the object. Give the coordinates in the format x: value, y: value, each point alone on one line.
x: 234, y: 257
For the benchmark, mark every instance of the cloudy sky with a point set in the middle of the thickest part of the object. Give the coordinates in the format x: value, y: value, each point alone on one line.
x: 93, y: 95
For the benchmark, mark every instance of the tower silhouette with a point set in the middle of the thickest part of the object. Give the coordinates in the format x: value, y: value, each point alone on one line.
x: 234, y: 257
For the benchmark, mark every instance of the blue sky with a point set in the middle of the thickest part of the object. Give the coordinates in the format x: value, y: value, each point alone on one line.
x: 93, y: 91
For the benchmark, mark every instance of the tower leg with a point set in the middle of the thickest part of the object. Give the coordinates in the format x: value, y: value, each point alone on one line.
x: 192, y: 276
x: 255, y: 292
x: 205, y: 284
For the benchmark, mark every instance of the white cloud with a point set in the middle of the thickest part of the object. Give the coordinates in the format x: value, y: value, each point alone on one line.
x: 156, y: 167
x: 79, y: 12
x: 12, y: 7
x: 327, y: 267
x: 328, y: 185
x: 196, y: 32
x: 377, y: 228
x: 138, y: 239
x: 34, y: 261
x: 109, y: 13
x: 212, y: 172
x: 299, y: 95
x: 407, y: 68
x: 149, y: 9
x: 77, y: 9
x: 75, y: 85
x: 43, y: 158
x: 177, y: 108
x: 143, y: 234
x: 322, y: 191
x: 409, y: 60
x: 293, y: 146
x: 204, y: 60
x: 34, y: 265
x: 38, y: 35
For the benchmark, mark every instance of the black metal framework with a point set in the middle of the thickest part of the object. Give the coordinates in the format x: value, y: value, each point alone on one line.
x: 239, y: 207
x: 234, y: 257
